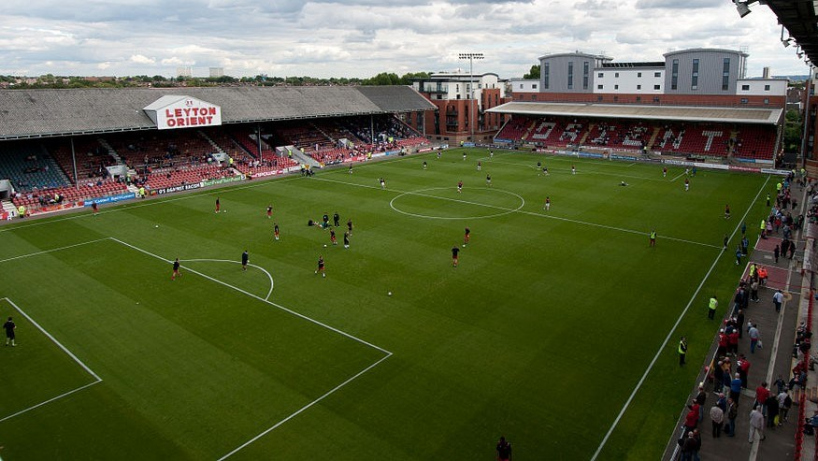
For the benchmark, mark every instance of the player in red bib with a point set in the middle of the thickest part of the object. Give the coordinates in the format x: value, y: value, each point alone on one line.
x: 269, y: 212
x: 455, y: 252
x: 218, y: 205
x: 275, y: 230
x: 460, y: 187
x: 466, y: 237
x: 332, y: 237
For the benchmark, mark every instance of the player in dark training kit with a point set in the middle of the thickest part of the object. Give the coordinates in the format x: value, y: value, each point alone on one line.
x: 245, y: 259
x: 321, y: 267
x: 9, y: 326
x: 455, y: 252
x: 175, y: 269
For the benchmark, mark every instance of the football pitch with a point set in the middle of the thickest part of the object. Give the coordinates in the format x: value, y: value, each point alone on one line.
x: 558, y: 329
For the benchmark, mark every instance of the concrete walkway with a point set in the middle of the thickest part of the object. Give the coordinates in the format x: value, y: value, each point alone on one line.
x: 776, y: 358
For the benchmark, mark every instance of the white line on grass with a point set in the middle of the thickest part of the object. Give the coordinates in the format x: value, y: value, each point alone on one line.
x: 677, y: 177
x: 305, y: 407
x: 85, y: 367
x: 530, y: 213
x: 50, y: 251
x: 272, y: 285
x: 302, y: 316
x: 309, y: 319
x: 671, y: 332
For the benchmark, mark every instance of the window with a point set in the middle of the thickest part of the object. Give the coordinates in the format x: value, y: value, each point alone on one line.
x: 521, y: 86
x: 638, y: 87
x: 534, y: 86
x: 657, y: 74
x: 599, y: 87
x: 657, y: 87
x: 744, y: 100
x: 766, y: 87
x: 616, y: 74
x: 570, y: 75
x: 725, y: 75
x: 545, y: 72
x: 616, y: 87
x: 586, y: 74
x: 655, y: 99
x: 599, y: 98
x: 638, y: 98
x: 745, y: 87
x: 694, y: 76
x: 766, y: 101
x: 600, y: 75
x: 674, y: 75
x: 639, y: 75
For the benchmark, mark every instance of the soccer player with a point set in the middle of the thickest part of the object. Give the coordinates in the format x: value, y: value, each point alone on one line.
x: 218, y: 205
x: 95, y: 207
x: 727, y: 211
x: 350, y: 168
x: 573, y: 169
x: 466, y: 237
x: 503, y: 450
x: 175, y: 269
x: 269, y: 212
x: 9, y: 326
x: 547, y: 205
x: 336, y: 219
x: 687, y: 184
x: 349, y: 226
x: 321, y: 267
x: 488, y: 179
x: 325, y: 220
x: 664, y: 172
x: 653, y: 237
x: 245, y: 259
x: 545, y: 171
x: 455, y: 252
x: 424, y: 165
x: 460, y: 187
x: 346, y: 239
x: 491, y: 154
x: 275, y: 230
x: 479, y: 166
x: 464, y: 156
x: 383, y: 183
x: 332, y: 237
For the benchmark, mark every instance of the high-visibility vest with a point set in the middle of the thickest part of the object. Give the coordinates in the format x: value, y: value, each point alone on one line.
x: 714, y: 303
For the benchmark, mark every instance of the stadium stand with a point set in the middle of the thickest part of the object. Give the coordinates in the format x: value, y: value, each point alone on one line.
x: 29, y: 166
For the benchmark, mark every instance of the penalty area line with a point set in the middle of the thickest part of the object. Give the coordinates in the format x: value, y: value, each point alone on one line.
x: 73, y: 357
x: 304, y: 408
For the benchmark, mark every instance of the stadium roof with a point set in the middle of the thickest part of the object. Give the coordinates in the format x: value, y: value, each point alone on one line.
x: 52, y: 113
x: 801, y: 21
x: 762, y: 116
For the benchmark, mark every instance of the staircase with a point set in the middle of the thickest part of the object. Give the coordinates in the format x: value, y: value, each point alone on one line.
x: 111, y: 151
x: 211, y: 142
x: 9, y: 208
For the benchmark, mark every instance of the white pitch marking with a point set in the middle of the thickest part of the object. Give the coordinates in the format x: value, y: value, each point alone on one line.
x: 530, y: 213
x: 51, y: 250
x: 85, y: 367
x: 677, y: 177
x: 236, y: 262
x: 504, y: 211
x: 669, y: 334
x: 304, y: 408
x: 290, y: 311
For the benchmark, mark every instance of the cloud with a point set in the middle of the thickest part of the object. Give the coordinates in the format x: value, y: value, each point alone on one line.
x: 361, y: 38
x: 140, y: 59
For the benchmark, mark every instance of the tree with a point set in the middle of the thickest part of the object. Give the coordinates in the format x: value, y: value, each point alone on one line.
x: 792, y: 131
x: 534, y: 73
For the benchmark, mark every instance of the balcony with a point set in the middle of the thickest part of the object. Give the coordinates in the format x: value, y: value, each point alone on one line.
x: 434, y: 88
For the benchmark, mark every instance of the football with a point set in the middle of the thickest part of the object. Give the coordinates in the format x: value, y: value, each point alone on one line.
x: 325, y: 245
x: 389, y: 294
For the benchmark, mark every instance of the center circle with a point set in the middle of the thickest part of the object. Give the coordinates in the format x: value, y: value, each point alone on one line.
x: 493, y: 210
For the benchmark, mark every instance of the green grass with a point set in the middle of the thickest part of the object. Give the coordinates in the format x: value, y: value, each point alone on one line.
x: 540, y: 335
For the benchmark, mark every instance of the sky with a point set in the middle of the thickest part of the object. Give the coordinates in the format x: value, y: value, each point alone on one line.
x: 362, y: 38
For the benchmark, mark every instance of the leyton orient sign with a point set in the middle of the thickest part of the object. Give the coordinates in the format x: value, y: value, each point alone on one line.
x: 170, y: 112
